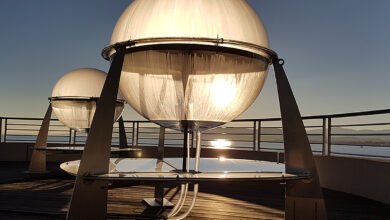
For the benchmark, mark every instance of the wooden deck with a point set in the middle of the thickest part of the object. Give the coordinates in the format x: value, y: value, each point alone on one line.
x: 47, y: 197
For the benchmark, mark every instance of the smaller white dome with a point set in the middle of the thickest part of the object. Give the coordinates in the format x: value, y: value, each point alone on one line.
x: 71, y: 97
x: 83, y: 82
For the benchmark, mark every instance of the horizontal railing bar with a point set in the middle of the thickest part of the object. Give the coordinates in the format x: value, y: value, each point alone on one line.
x: 21, y: 118
x: 359, y: 125
x: 360, y: 145
x: 223, y: 127
x: 342, y: 115
x: 25, y: 124
x: 228, y: 133
x: 361, y: 155
x: 24, y: 129
x: 376, y: 134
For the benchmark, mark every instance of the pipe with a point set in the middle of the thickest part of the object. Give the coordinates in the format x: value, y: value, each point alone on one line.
x: 196, y: 186
x: 191, y: 206
x: 183, y: 191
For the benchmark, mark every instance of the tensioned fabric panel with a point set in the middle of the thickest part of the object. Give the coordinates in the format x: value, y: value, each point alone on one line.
x: 176, y: 85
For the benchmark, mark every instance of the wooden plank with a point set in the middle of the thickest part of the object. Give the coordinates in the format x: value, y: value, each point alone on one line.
x: 48, y: 198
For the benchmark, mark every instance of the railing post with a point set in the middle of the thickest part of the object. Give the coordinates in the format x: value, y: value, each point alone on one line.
x: 5, y: 130
x: 1, y: 129
x: 192, y: 140
x: 70, y: 135
x: 254, y: 135
x: 136, y: 140
x: 132, y: 135
x: 329, y: 135
x: 258, y: 135
x: 323, y: 136
x: 74, y: 136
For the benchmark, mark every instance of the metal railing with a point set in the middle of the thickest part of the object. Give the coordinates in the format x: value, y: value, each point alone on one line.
x: 336, y: 134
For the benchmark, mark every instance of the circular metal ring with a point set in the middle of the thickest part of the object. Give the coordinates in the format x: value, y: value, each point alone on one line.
x: 80, y: 98
x: 218, y: 43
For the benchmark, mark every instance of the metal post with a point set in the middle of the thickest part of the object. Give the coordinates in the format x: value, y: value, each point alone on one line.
x: 258, y: 135
x: 304, y: 200
x: 5, y: 130
x: 254, y: 135
x: 136, y: 134
x: 70, y: 136
x: 192, y: 140
x: 160, y: 148
x: 185, y: 146
x: 1, y: 129
x: 122, y: 134
x: 323, y: 136
x: 159, y: 201
x: 89, y: 198
x: 74, y: 136
x: 38, y: 157
x: 329, y: 136
x: 132, y: 135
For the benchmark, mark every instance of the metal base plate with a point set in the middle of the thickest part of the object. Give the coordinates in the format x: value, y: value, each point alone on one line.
x: 153, y: 203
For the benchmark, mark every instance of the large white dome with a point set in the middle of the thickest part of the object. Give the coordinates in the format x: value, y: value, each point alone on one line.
x: 227, y: 19
x: 191, y: 64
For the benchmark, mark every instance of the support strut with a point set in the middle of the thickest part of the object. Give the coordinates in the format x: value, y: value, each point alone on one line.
x: 38, y: 157
x: 303, y: 200
x: 89, y: 198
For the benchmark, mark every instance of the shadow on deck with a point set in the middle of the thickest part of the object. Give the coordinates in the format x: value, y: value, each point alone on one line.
x: 47, y: 197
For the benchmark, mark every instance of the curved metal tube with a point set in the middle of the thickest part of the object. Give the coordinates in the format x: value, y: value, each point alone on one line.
x: 182, y: 199
x: 196, y: 186
x: 191, y: 206
x: 180, y: 202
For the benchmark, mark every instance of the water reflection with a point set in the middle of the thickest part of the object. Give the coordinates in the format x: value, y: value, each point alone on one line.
x: 221, y: 144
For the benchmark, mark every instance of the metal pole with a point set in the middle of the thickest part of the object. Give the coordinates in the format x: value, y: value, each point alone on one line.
x: 323, y: 136
x: 254, y: 135
x: 198, y: 148
x: 258, y: 135
x: 70, y: 135
x: 122, y: 134
x: 74, y: 136
x: 192, y: 142
x: 185, y: 146
x: 5, y: 130
x: 329, y: 136
x: 159, y: 188
x: 159, y: 200
x: 132, y: 135
x: 136, y: 133
x: 1, y: 129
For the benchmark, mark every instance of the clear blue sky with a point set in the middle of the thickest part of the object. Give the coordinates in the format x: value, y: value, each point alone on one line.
x: 337, y: 53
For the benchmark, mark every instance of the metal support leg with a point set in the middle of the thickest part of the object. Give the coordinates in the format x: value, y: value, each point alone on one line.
x: 122, y: 134
x: 38, y: 157
x: 159, y: 201
x: 303, y: 200
x: 89, y: 199
x: 185, y: 150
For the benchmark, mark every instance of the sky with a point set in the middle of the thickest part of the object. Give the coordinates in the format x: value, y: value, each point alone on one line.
x: 336, y: 52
